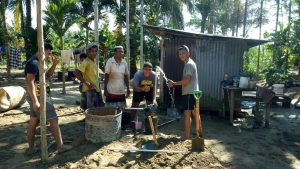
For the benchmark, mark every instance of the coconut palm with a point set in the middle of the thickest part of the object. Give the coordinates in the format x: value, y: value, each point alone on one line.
x: 86, y: 13
x: 60, y: 16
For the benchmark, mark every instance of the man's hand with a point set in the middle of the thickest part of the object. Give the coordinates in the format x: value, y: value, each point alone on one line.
x: 90, y: 85
x: 170, y: 83
x: 128, y: 93
x: 36, y: 107
x: 155, y: 102
x: 105, y: 93
x: 55, y: 60
x: 146, y: 88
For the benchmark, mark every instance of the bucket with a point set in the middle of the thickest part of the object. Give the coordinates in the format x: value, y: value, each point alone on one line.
x: 11, y: 97
x: 278, y: 89
x: 244, y: 81
x: 102, y: 124
x: 147, y: 125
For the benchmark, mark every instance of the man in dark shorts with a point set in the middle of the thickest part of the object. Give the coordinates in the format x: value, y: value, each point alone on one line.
x: 143, y: 87
x: 189, y: 84
x: 32, y: 81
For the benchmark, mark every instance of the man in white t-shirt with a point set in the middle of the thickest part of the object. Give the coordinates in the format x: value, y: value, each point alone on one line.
x: 116, y: 77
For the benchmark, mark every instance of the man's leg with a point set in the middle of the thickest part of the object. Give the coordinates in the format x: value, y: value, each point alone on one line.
x: 33, y: 122
x: 55, y: 130
x: 90, y: 99
x: 187, y: 124
x: 133, y: 112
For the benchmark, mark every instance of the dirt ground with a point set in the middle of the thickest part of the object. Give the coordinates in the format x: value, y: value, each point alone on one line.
x: 226, y: 146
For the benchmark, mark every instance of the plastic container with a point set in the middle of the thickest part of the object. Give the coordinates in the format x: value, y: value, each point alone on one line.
x: 244, y: 82
x: 278, y: 89
x: 103, y: 124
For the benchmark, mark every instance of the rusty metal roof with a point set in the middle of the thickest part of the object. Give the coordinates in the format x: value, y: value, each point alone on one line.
x: 166, y: 32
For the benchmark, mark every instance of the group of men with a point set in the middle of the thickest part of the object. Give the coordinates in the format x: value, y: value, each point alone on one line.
x: 116, y: 88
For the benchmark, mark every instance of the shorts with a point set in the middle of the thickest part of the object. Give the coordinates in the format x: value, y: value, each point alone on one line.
x: 93, y: 99
x: 116, y: 104
x: 188, y: 102
x: 140, y: 96
x: 50, y: 109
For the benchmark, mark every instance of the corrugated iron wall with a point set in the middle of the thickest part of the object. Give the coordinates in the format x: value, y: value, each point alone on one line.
x: 210, y: 63
x: 213, y: 58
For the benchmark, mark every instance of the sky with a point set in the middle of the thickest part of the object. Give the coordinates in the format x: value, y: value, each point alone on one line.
x: 253, y: 32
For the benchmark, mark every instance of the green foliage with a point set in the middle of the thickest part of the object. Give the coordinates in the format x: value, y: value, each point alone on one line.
x: 107, y: 43
x: 60, y: 16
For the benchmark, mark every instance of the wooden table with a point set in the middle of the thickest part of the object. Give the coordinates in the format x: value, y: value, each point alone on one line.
x: 259, y: 94
x: 232, y: 90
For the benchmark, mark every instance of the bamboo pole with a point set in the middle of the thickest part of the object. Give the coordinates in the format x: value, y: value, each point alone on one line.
x: 42, y: 80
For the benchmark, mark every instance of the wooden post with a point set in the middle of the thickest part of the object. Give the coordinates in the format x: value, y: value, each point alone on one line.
x: 42, y: 71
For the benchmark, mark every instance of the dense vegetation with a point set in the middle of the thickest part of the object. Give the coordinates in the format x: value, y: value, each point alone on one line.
x: 226, y: 17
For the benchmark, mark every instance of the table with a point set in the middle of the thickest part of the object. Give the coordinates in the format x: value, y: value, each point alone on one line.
x: 231, y: 91
x: 260, y: 94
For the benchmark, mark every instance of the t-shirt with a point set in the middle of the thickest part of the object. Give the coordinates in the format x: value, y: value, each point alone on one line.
x: 116, y: 71
x: 140, y: 80
x: 88, y: 69
x: 32, y: 67
x: 190, y: 68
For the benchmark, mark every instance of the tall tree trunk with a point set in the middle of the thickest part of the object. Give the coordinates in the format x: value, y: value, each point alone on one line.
x: 260, y: 25
x: 86, y: 36
x: 6, y: 39
x: 277, y: 14
x: 61, y: 38
x: 203, y: 24
x: 22, y: 20
x: 290, y: 11
x: 237, y: 17
x: 245, y: 18
x: 27, y: 29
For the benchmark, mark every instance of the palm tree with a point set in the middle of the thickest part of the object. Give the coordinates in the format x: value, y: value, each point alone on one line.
x: 86, y: 12
x: 60, y: 16
x: 3, y: 6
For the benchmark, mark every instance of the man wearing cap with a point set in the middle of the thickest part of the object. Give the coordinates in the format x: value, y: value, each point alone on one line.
x: 87, y: 75
x: 143, y: 87
x: 189, y: 84
x: 116, y: 77
x: 32, y: 81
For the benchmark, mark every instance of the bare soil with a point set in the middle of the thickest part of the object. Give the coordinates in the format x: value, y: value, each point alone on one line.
x: 226, y: 146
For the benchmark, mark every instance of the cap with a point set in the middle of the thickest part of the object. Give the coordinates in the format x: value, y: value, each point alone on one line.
x: 119, y: 47
x: 91, y: 45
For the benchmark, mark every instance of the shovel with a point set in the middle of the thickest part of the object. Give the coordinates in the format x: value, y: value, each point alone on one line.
x: 198, y: 142
x: 152, y: 130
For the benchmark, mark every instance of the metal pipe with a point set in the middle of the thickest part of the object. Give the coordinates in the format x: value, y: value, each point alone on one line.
x: 149, y: 151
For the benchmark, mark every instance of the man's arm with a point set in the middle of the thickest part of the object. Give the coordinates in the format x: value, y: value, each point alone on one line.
x: 50, y: 72
x: 184, y: 82
x: 106, y: 79
x: 78, y: 75
x: 31, y: 91
x: 126, y: 80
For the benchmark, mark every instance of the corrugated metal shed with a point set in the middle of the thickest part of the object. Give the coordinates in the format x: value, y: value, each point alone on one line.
x: 214, y: 55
